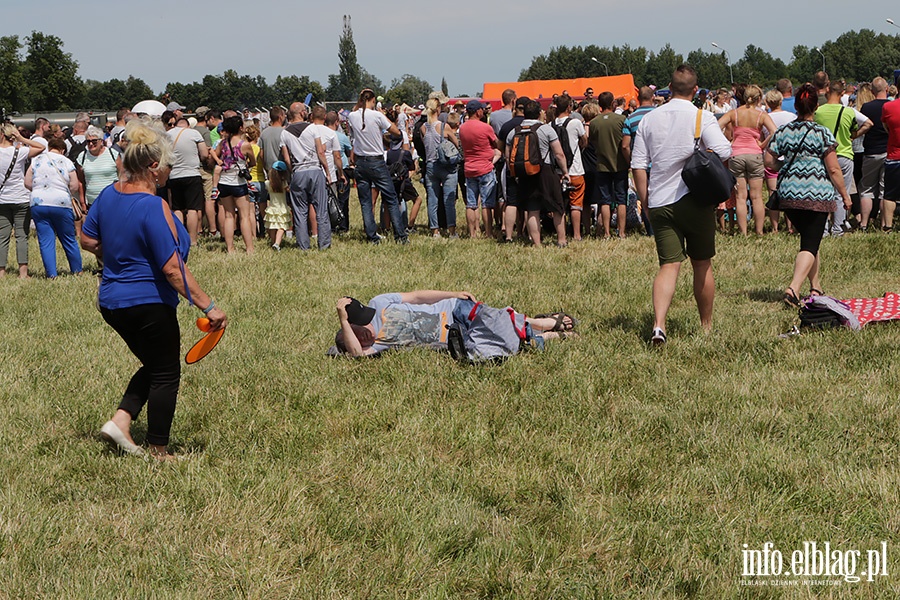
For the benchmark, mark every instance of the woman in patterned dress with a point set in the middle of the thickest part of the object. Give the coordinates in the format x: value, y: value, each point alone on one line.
x: 806, y: 186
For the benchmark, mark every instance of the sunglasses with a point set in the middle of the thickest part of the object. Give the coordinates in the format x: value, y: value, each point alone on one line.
x: 92, y: 142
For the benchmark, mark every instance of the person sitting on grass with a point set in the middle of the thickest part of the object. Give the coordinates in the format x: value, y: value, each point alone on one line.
x: 421, y: 318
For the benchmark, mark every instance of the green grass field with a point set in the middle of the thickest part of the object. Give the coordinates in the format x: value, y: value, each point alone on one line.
x: 601, y: 468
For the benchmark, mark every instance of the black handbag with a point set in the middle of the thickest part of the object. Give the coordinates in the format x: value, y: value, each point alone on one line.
x: 335, y: 214
x: 706, y: 176
x: 774, y: 202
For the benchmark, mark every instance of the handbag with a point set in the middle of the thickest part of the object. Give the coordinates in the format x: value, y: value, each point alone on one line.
x: 705, y: 175
x: 774, y: 202
x: 335, y: 214
x: 76, y: 209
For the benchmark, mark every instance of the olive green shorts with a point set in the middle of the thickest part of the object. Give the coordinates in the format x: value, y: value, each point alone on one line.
x: 684, y: 229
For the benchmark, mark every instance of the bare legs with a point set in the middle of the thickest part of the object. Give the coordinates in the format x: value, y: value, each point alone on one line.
x: 806, y: 266
x: 664, y: 291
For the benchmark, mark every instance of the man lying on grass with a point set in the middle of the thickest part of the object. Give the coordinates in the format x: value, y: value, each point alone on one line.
x: 425, y: 317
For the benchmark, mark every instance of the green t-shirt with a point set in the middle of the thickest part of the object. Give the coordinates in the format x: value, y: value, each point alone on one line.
x: 827, y: 116
x: 606, y: 137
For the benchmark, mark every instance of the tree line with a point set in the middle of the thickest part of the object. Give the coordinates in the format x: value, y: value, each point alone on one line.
x: 39, y: 75
x: 854, y: 56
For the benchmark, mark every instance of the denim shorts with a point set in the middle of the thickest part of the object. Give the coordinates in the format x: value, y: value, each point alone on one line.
x: 484, y: 186
x: 234, y: 191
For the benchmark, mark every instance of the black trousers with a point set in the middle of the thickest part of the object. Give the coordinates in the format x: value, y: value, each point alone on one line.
x: 810, y: 225
x: 152, y: 334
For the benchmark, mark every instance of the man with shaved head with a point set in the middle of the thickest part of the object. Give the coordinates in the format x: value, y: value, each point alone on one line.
x: 875, y: 149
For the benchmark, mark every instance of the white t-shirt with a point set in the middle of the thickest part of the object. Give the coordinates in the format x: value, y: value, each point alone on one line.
x: 50, y: 174
x: 781, y: 117
x: 40, y: 140
x: 330, y: 141
x: 187, y: 154
x: 368, y: 141
x: 14, y: 191
x: 576, y: 130
x: 302, y: 149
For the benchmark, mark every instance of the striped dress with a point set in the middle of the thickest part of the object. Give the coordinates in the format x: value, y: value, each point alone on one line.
x: 803, y: 182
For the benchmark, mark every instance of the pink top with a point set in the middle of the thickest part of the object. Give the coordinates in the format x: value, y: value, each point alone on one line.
x: 745, y: 139
x: 476, y: 137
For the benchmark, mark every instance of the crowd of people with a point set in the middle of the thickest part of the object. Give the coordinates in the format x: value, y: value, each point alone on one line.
x: 148, y: 187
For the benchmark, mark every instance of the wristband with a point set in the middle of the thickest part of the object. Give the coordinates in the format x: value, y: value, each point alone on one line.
x: 211, y: 306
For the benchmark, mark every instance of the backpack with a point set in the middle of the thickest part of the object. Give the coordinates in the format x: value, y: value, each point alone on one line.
x: 417, y: 139
x: 525, y: 151
x: 564, y: 140
x: 77, y: 149
x: 447, y: 152
x: 398, y: 171
x: 295, y: 129
x: 488, y: 334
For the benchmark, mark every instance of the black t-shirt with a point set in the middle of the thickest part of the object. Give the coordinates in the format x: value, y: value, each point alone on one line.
x: 507, y: 127
x: 876, y: 138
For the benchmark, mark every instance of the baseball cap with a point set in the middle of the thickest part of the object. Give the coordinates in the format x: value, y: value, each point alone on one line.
x: 279, y: 165
x: 473, y: 106
x: 521, y: 101
x: 173, y: 106
x: 201, y: 111
x: 358, y: 313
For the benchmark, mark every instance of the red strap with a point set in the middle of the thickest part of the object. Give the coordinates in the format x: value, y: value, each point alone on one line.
x: 512, y: 317
x: 474, y: 311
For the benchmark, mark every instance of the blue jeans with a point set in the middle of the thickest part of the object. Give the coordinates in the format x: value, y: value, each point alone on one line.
x: 53, y: 222
x: 372, y: 171
x: 484, y: 186
x: 440, y: 184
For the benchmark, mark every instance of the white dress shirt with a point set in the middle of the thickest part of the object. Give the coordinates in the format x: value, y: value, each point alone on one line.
x: 665, y: 138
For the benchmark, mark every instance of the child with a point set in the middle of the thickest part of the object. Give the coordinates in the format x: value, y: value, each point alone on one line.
x: 278, y: 216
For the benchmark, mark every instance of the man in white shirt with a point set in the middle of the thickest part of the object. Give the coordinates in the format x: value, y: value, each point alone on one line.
x: 578, y: 139
x: 303, y: 150
x: 684, y: 226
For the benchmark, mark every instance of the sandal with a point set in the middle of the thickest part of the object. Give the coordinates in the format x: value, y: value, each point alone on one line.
x: 814, y: 292
x: 790, y: 298
x: 560, y: 318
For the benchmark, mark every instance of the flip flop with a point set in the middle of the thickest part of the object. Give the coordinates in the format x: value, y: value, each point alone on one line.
x: 560, y: 321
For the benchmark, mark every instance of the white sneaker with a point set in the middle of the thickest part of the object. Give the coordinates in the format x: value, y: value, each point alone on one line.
x: 658, y: 338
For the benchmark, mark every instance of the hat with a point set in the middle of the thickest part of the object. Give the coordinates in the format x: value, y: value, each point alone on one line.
x: 473, y: 105
x: 173, y: 106
x: 279, y: 165
x: 358, y: 314
x: 201, y: 111
x: 439, y: 96
x: 521, y: 101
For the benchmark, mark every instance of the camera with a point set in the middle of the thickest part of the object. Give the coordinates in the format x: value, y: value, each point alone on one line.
x: 567, y: 186
x: 244, y: 173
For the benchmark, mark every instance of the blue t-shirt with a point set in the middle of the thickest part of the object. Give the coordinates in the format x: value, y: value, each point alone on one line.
x: 137, y: 241
x: 788, y: 105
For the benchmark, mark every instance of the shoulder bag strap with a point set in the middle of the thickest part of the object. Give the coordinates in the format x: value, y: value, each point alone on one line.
x: 12, y: 164
x: 837, y: 124
x: 697, y: 129
x: 787, y: 166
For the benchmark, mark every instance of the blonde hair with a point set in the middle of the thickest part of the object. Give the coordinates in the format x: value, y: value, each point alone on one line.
x: 752, y: 94
x: 9, y: 131
x: 774, y: 99
x: 453, y: 120
x: 589, y: 111
x: 432, y: 109
x: 251, y: 132
x: 864, y: 94
x: 147, y: 144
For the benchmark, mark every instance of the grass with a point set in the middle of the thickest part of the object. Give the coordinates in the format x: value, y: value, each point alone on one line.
x: 600, y: 468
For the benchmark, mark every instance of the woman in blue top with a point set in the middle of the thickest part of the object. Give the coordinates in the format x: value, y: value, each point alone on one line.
x: 143, y: 250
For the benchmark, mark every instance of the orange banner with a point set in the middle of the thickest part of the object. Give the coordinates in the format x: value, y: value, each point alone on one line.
x: 619, y: 85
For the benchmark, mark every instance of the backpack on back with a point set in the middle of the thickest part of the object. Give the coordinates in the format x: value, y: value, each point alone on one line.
x: 447, y: 152
x: 564, y: 140
x: 525, y: 151
x: 77, y: 149
x: 417, y: 139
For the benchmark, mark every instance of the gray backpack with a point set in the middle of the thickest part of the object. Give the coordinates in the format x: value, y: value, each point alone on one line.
x: 489, y: 334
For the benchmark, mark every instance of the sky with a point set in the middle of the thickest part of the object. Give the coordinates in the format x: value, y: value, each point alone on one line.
x: 173, y: 41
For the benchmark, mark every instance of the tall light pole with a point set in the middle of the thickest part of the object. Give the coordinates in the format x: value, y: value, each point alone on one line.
x: 823, y: 57
x: 891, y: 22
x: 594, y: 58
x: 728, y: 58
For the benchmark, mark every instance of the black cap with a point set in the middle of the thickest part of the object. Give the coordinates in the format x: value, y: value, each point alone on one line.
x: 358, y: 313
x: 521, y: 101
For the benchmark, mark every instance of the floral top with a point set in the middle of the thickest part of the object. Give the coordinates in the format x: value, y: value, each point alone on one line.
x: 50, y: 180
x: 803, y: 181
